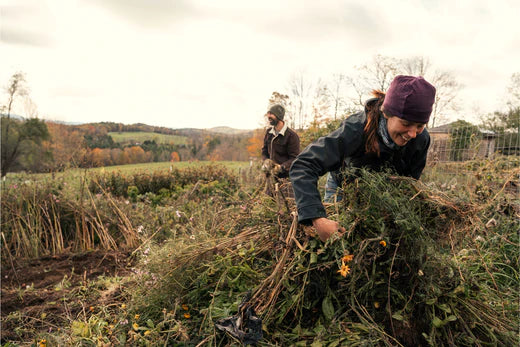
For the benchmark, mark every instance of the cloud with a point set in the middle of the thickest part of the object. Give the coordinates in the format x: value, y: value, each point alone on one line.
x: 146, y: 13
x: 17, y: 36
x: 27, y: 22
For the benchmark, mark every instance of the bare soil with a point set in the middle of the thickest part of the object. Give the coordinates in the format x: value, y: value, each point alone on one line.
x: 45, y: 294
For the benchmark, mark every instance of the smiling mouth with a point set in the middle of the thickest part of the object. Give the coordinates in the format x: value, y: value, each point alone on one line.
x: 405, y: 138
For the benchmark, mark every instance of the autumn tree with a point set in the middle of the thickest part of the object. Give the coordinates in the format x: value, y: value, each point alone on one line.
x: 67, y: 146
x: 19, y: 137
x: 175, y: 157
x: 255, y: 144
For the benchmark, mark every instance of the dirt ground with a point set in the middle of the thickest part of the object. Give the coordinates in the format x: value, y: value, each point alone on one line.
x: 46, y: 293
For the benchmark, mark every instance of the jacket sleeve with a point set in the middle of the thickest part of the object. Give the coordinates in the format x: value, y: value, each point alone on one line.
x: 418, y: 161
x: 293, y: 149
x: 324, y: 155
x: 265, y: 151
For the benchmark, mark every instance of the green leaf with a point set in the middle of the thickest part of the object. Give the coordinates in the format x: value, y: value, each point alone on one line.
x: 328, y: 308
x: 398, y: 316
x: 437, y: 322
x: 150, y: 324
x: 445, y: 308
x: 451, y: 318
x: 314, y: 258
x: 431, y: 301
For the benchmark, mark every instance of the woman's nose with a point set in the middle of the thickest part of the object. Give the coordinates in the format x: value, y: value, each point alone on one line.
x: 412, y: 133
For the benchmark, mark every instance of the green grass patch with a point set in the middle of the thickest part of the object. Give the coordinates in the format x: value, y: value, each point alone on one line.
x: 140, y: 137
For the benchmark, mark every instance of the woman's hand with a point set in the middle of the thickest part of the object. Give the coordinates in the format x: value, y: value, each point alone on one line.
x: 326, y: 228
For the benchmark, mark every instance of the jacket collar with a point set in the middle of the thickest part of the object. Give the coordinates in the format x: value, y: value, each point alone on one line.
x: 282, y: 132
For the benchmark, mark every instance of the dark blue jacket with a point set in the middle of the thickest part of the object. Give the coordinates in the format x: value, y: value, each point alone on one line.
x: 344, y: 148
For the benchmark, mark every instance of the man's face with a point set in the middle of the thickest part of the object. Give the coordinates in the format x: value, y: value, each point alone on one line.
x: 272, y: 119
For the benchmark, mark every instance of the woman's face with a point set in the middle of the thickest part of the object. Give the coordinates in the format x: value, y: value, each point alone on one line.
x: 401, y: 131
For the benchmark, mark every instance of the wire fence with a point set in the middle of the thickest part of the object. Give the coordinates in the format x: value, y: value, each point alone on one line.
x: 462, y: 155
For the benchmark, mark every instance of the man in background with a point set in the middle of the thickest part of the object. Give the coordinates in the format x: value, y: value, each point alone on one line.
x: 281, y: 144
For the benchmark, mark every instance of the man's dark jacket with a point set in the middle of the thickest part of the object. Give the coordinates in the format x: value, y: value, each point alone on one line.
x: 345, y: 148
x: 282, y: 148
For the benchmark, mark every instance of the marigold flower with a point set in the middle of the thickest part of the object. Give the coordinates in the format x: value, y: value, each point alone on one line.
x: 123, y: 306
x: 347, y: 258
x: 43, y: 343
x: 344, y: 270
x: 382, y: 243
x: 377, y: 305
x: 147, y: 332
x: 187, y: 315
x: 136, y: 317
x: 185, y: 307
x: 135, y: 326
x: 91, y: 308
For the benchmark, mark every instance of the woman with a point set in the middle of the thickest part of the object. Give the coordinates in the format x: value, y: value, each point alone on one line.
x: 389, y: 133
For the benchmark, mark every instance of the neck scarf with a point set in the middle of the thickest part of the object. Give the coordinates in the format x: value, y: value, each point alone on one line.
x: 382, y: 130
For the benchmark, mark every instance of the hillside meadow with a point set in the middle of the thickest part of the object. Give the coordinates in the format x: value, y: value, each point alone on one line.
x: 133, y: 137
x: 196, y: 254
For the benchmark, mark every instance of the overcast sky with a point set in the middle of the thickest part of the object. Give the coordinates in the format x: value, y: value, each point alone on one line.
x: 197, y: 63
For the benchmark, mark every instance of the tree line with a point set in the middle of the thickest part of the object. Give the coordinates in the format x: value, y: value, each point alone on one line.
x: 35, y: 145
x: 314, y: 108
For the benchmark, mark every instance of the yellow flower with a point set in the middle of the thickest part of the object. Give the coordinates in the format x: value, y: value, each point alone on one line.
x: 43, y: 343
x: 376, y: 304
x: 382, y: 243
x: 136, y: 317
x: 344, y: 270
x: 135, y: 326
x: 147, y: 332
x: 187, y: 315
x: 91, y: 308
x: 123, y: 306
x: 347, y: 258
x: 185, y: 307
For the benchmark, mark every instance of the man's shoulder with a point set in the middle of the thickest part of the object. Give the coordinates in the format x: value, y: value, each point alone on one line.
x: 291, y: 132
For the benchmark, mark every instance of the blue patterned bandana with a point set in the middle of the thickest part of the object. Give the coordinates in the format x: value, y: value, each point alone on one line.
x: 382, y: 130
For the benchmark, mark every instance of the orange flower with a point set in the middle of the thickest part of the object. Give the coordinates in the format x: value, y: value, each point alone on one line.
x: 347, y: 258
x: 344, y: 270
x: 382, y: 243
x: 185, y: 307
x: 187, y: 315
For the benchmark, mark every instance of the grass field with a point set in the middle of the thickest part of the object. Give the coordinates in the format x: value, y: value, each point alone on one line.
x: 138, y: 136
x: 159, y: 258
x: 74, y: 176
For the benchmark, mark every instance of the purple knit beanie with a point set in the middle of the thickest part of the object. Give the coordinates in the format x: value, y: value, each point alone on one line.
x: 410, y: 98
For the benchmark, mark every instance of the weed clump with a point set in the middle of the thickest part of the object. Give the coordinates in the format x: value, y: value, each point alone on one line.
x: 412, y: 269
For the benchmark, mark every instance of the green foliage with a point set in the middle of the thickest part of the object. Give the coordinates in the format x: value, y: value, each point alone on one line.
x: 140, y: 137
x: 463, y: 135
x: 427, y: 268
x: 21, y: 139
x: 206, y: 180
x: 318, y: 130
x: 412, y: 281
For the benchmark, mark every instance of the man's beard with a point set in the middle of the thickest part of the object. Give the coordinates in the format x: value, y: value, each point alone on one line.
x: 273, y: 122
